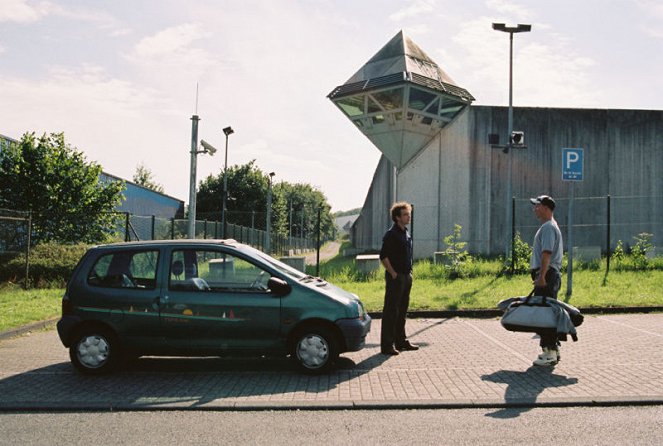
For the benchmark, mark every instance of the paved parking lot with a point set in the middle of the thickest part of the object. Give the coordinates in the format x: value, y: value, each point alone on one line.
x: 462, y: 362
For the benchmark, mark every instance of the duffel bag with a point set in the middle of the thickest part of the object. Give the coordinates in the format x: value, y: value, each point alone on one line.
x: 522, y: 316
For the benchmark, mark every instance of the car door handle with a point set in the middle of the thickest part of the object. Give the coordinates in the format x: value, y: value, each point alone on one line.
x: 159, y: 302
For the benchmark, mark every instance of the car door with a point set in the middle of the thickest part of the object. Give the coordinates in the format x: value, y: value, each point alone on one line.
x: 218, y: 300
x: 122, y: 289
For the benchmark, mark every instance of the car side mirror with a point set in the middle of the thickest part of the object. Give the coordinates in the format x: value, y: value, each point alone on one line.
x: 277, y: 286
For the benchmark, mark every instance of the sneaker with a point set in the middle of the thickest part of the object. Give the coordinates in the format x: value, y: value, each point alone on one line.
x: 556, y: 350
x: 547, y: 358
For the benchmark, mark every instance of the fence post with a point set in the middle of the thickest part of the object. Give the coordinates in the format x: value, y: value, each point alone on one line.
x: 205, y: 230
x: 127, y: 236
x: 317, y: 257
x: 172, y: 228
x: 26, y: 282
x: 513, y: 234
x: 153, y: 223
x: 608, y: 237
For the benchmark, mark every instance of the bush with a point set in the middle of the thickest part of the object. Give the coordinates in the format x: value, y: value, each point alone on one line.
x: 51, y: 264
x: 522, y: 254
x: 639, y: 251
x: 460, y: 258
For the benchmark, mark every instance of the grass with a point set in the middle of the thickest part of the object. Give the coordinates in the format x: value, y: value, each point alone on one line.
x: 483, y: 287
x: 623, y: 289
x: 20, y: 307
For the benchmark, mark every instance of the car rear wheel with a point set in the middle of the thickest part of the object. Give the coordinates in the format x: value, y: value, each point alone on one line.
x: 315, y: 349
x: 95, y: 350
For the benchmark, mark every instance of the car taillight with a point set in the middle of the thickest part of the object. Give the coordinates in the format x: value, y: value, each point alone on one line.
x: 67, y: 307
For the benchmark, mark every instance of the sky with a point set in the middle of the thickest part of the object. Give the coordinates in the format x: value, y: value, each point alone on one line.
x: 122, y: 78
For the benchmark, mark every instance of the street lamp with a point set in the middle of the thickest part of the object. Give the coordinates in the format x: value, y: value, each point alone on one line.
x: 511, y: 143
x: 268, y: 223
x: 227, y: 131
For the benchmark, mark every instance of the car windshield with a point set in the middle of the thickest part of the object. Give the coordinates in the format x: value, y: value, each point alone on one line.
x: 279, y: 266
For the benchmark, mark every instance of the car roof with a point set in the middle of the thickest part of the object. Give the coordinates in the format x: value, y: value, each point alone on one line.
x: 177, y: 242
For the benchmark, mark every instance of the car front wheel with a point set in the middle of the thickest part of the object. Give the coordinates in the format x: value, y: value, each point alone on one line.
x: 315, y: 350
x: 94, y: 351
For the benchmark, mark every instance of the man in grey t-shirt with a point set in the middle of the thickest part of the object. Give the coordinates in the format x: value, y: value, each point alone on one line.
x: 546, y: 264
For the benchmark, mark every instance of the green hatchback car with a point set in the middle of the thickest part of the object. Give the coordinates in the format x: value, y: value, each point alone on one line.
x: 203, y: 298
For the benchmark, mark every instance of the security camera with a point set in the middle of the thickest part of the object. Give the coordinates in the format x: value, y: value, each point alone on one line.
x: 517, y: 138
x: 208, y: 147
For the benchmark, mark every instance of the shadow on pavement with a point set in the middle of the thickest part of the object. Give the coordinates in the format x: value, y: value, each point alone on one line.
x: 524, y: 388
x: 187, y: 382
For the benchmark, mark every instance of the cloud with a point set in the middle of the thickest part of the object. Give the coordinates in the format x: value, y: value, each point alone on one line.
x: 22, y: 11
x: 544, y: 74
x: 415, y: 8
x: 652, y: 16
x: 176, y: 40
x: 510, y: 9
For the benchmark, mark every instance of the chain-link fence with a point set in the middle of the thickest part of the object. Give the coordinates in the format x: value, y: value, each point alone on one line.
x: 598, y: 224
x: 15, y: 231
x: 136, y: 227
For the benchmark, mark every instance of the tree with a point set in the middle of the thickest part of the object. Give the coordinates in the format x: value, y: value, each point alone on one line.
x: 143, y: 177
x: 247, y: 202
x: 304, y: 201
x: 52, y: 180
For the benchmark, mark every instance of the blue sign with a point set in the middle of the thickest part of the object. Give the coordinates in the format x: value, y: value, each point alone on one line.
x: 572, y: 164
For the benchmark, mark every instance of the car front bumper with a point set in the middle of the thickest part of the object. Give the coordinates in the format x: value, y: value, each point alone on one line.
x: 354, y: 332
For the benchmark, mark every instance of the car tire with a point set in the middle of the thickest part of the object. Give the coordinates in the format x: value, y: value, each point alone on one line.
x: 315, y: 350
x: 94, y: 351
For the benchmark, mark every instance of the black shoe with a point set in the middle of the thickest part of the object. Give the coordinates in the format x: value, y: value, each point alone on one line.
x: 407, y: 346
x: 390, y: 352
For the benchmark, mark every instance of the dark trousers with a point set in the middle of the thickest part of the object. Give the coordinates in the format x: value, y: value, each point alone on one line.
x: 553, y: 283
x: 396, y: 302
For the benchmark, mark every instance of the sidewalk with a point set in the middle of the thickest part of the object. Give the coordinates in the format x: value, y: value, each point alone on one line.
x: 462, y: 363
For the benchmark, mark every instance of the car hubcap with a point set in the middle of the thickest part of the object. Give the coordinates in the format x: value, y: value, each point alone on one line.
x: 313, y: 351
x: 93, y: 351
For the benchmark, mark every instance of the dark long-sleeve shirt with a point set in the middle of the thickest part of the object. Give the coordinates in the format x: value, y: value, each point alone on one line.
x: 397, y: 247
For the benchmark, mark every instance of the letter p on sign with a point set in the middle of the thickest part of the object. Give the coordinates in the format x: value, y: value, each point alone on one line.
x: 572, y: 164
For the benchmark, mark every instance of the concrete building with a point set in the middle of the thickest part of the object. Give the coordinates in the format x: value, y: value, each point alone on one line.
x: 455, y: 177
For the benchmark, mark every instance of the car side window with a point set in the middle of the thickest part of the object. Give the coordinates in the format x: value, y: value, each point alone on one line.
x: 205, y: 270
x: 125, y: 269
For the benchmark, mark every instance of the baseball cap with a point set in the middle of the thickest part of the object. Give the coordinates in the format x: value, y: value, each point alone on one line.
x: 544, y: 200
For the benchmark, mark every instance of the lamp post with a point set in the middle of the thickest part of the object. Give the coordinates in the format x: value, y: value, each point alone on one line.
x: 268, y: 223
x: 227, y: 131
x: 511, y: 30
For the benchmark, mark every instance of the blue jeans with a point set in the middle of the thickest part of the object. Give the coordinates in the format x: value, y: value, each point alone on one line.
x: 553, y: 283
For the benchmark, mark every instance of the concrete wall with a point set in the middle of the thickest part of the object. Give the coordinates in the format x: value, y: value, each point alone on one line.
x: 459, y: 178
x: 374, y: 220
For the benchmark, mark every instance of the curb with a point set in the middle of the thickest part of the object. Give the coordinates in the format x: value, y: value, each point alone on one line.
x: 525, y: 403
x: 488, y: 314
x: 20, y: 331
x: 424, y: 314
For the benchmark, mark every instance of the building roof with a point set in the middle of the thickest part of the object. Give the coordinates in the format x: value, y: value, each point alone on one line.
x: 401, y: 60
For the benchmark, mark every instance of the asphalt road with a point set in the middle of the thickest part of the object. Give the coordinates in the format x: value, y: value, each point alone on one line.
x: 540, y: 426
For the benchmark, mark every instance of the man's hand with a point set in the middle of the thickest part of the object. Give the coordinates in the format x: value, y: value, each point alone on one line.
x: 540, y: 281
x: 390, y: 269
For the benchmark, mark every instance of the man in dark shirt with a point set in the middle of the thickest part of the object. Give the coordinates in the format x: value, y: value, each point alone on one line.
x: 396, y: 256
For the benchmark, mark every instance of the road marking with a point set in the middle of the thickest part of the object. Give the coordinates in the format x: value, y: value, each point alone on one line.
x: 495, y: 341
x: 630, y: 326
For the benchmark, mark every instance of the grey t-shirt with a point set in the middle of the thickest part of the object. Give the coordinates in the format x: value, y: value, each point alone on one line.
x: 547, y: 238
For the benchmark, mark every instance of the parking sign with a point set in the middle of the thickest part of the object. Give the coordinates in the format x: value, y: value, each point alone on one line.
x: 572, y: 164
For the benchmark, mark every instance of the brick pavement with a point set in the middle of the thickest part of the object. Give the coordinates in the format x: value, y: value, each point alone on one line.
x: 462, y: 363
